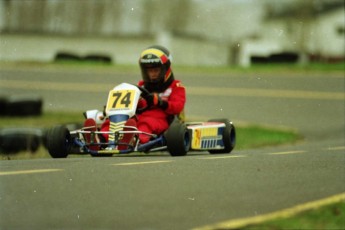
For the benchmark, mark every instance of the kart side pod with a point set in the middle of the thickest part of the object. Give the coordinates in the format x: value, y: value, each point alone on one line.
x: 216, y: 136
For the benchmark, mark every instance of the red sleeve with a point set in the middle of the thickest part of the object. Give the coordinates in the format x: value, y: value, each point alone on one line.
x: 177, y: 98
x: 142, y: 103
x: 141, y: 83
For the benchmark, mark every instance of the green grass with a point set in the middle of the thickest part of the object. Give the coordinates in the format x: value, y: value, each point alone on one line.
x: 268, y: 68
x: 275, y: 68
x: 254, y: 136
x: 327, y: 217
x: 48, y: 119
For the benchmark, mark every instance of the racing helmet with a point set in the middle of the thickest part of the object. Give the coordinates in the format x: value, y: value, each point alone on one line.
x: 152, y: 57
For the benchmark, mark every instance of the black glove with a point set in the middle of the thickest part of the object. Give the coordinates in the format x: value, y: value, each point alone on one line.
x: 154, y: 99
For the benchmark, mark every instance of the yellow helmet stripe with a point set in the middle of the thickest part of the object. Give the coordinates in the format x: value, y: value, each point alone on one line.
x: 156, y: 52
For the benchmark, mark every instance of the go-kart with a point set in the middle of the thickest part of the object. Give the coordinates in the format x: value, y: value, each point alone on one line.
x: 215, y: 136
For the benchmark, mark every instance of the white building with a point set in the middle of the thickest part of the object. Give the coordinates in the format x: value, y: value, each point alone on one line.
x: 311, y: 31
x: 327, y: 40
x: 198, y: 32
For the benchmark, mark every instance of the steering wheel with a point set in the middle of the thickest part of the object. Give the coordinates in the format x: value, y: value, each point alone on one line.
x: 144, y: 94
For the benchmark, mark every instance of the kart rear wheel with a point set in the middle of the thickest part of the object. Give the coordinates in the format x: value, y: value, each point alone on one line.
x: 178, y: 139
x: 229, y: 137
x: 59, y: 141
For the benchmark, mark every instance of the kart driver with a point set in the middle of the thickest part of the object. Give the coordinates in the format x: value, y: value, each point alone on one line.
x: 166, y: 99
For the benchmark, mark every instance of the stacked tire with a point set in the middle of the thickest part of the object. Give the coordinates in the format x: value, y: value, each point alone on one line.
x: 66, y: 56
x: 13, y: 140
x: 20, y: 106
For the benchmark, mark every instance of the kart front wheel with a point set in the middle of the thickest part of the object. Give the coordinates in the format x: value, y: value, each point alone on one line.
x: 178, y: 140
x: 229, y: 137
x: 58, y: 141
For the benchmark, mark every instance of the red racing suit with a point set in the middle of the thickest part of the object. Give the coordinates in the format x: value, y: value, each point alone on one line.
x: 155, y: 120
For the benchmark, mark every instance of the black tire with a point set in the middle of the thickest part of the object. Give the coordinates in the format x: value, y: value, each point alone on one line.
x: 178, y: 139
x: 67, y: 56
x: 25, y: 106
x: 229, y: 137
x: 59, y: 141
x: 3, y: 103
x: 13, y: 140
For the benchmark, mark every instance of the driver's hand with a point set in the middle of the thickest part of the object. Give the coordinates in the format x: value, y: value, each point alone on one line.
x: 154, y: 99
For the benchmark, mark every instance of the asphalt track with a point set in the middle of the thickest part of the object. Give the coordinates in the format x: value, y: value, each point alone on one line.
x: 200, y: 190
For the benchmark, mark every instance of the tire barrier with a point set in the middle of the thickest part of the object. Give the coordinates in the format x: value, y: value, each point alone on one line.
x: 65, y: 56
x: 3, y: 102
x: 96, y: 58
x: 284, y: 57
x: 21, y: 106
x: 13, y: 140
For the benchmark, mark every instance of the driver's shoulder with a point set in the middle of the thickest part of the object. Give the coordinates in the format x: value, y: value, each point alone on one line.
x: 176, y: 84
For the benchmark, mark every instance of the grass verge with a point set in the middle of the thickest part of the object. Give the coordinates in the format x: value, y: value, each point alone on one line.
x: 269, y: 68
x: 327, y: 217
x: 255, y: 136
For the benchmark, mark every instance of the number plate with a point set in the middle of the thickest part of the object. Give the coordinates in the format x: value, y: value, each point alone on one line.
x: 120, y: 100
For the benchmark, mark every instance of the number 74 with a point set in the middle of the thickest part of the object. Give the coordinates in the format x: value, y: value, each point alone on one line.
x: 124, y: 99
